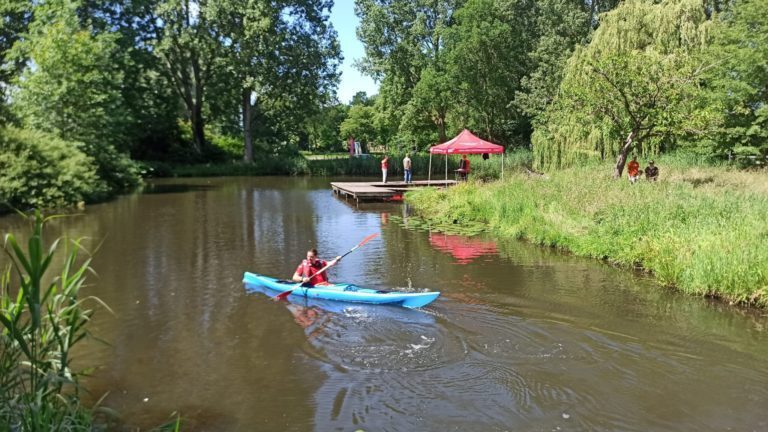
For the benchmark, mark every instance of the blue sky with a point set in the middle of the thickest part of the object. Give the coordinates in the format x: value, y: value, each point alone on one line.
x: 352, y: 81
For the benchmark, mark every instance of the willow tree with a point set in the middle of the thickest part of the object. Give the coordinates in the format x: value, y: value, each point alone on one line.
x: 635, y: 86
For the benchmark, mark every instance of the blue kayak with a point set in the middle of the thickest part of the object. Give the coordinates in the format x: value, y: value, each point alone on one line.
x: 344, y: 292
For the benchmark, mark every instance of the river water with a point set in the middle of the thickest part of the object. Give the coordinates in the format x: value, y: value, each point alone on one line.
x: 522, y: 338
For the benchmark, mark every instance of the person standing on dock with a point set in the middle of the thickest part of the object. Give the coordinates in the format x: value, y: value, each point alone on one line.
x: 407, y: 168
x: 384, y: 166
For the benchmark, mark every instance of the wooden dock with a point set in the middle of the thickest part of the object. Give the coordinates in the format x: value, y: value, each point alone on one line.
x: 389, y: 191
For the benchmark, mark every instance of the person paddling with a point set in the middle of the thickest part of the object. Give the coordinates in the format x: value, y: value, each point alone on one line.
x: 306, y: 272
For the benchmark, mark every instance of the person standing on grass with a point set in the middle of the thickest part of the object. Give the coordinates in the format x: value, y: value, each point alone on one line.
x: 633, y: 169
x: 407, y: 168
x: 384, y: 166
x: 652, y: 172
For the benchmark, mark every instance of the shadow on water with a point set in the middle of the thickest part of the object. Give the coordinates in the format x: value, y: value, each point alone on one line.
x: 155, y: 188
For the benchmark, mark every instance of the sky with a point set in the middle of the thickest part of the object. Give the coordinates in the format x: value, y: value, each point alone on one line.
x: 352, y: 81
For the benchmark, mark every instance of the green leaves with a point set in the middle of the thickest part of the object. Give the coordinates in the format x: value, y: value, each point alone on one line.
x: 640, y: 74
x: 39, y: 329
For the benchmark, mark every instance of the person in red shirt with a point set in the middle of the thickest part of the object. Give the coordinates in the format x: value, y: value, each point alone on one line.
x: 633, y: 169
x: 463, y: 167
x: 306, y: 272
x: 384, y: 167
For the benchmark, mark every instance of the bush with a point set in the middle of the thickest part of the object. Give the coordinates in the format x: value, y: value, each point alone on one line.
x: 40, y: 170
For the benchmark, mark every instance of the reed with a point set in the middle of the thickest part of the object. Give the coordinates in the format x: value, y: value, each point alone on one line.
x: 699, y: 229
x: 41, y: 324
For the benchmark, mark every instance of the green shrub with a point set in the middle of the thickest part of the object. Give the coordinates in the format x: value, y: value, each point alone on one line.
x: 40, y: 170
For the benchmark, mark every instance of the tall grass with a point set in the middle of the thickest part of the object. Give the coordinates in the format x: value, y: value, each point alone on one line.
x: 704, y: 235
x: 41, y: 323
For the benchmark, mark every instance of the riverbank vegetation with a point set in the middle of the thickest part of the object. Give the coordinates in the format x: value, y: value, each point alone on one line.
x: 42, y: 322
x: 183, y: 87
x: 699, y: 229
x: 43, y: 318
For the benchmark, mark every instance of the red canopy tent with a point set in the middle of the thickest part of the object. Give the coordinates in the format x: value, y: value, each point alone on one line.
x: 465, y: 143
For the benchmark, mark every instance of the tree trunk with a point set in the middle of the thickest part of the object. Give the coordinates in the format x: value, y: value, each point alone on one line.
x: 441, y: 128
x: 198, y: 123
x: 247, y: 129
x: 198, y: 128
x: 621, y: 159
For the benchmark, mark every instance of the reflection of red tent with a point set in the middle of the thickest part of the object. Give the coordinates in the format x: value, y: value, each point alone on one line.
x: 464, y: 249
x: 465, y: 143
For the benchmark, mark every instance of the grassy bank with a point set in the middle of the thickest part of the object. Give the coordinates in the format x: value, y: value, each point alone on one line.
x: 699, y: 229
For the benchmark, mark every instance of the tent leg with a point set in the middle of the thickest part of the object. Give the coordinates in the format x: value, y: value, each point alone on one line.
x: 502, y: 165
x: 429, y: 173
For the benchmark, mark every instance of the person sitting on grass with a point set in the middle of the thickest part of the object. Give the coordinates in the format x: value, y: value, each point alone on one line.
x: 652, y: 172
x: 633, y: 170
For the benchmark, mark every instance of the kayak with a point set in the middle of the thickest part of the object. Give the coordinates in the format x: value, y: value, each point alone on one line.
x: 344, y: 292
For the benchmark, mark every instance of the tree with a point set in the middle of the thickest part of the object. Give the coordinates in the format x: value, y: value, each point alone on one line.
x: 283, y: 50
x: 324, y: 128
x: 360, y: 124
x: 739, y: 80
x: 403, y: 39
x: 15, y: 16
x: 639, y: 78
x: 186, y: 45
x: 559, y: 26
x: 488, y: 45
x: 72, y: 88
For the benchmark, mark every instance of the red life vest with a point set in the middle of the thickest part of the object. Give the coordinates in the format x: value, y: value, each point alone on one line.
x: 305, y: 269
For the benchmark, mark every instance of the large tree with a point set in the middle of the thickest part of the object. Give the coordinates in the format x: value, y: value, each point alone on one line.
x: 283, y: 52
x: 403, y: 39
x: 739, y: 80
x: 187, y: 47
x: 488, y: 46
x: 636, y: 86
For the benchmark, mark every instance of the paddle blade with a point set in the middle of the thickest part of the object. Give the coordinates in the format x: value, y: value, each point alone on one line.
x: 282, y: 296
x: 367, y: 239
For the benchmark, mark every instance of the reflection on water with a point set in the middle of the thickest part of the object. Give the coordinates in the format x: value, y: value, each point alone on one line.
x: 464, y: 249
x: 522, y: 338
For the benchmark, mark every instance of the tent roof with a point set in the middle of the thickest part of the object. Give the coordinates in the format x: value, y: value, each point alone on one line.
x: 466, y: 143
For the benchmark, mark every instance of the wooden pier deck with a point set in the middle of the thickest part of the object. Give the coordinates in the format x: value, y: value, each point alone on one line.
x: 372, y: 191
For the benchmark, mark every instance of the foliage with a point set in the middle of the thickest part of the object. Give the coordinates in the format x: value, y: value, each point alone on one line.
x: 739, y: 80
x: 402, y: 40
x: 42, y: 322
x: 699, y: 230
x: 559, y: 26
x: 487, y: 69
x: 73, y: 90
x: 41, y: 170
x: 282, y: 55
x: 324, y: 129
x: 639, y: 80
x: 360, y: 124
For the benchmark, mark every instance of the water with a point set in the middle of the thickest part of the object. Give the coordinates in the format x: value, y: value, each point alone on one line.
x: 522, y: 338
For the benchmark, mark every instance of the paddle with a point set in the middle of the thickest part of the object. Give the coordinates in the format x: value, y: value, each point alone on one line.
x: 285, y: 294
